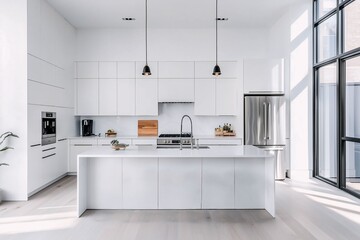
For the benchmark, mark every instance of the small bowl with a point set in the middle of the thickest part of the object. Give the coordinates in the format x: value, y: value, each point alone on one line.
x: 120, y: 146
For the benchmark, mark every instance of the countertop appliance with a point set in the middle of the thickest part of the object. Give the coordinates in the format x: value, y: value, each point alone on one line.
x: 264, y: 126
x: 173, y: 140
x: 87, y: 127
x: 48, y: 135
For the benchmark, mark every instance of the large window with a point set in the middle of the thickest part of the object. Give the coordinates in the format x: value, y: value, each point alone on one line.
x: 337, y: 93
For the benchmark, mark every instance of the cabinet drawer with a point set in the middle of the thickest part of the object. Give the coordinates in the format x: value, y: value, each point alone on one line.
x: 107, y: 142
x: 83, y: 142
x: 144, y: 142
x: 221, y: 141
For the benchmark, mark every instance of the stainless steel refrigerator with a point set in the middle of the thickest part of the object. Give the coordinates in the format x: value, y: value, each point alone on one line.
x: 265, y: 126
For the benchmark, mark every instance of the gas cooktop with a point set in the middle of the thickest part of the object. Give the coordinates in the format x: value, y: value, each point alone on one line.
x: 184, y: 135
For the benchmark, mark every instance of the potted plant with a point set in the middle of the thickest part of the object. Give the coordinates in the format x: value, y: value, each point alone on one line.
x: 116, y: 145
x: 3, y: 137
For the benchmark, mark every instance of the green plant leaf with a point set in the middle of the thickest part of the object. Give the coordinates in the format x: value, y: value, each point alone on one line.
x: 5, y: 148
x: 6, y: 135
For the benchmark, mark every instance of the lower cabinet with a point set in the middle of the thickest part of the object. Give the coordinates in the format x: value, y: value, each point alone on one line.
x: 180, y: 183
x: 140, y: 181
x: 218, y: 183
x: 74, y: 151
x: 34, y: 168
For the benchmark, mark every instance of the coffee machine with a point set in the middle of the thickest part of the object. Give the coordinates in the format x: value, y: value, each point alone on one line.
x: 87, y: 127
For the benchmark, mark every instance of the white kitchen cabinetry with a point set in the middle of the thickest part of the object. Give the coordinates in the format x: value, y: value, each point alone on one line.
x: 78, y: 146
x: 144, y: 142
x: 108, y: 97
x: 218, y: 183
x: 35, y: 168
x: 126, y: 97
x: 153, y: 68
x: 62, y: 151
x: 34, y: 125
x: 179, y: 183
x: 107, y: 70
x: 87, y: 97
x: 221, y: 141
x: 205, y: 99
x: 263, y: 75
x: 205, y: 69
x: 226, y: 97
x: 146, y: 97
x: 176, y: 90
x: 126, y: 70
x: 140, y: 176
x: 180, y: 70
x: 87, y: 70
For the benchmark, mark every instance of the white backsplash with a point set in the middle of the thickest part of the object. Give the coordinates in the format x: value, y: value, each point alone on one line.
x: 169, y: 121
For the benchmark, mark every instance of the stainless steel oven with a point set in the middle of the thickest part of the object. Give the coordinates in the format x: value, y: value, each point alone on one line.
x: 48, y: 128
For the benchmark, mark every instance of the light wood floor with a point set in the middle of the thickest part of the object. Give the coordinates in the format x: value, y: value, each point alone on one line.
x: 305, y: 210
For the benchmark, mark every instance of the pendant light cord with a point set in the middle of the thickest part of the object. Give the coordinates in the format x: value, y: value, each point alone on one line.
x: 216, y: 19
x: 146, y: 54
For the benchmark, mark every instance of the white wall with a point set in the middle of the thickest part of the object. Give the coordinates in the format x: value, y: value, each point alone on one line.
x: 169, y: 45
x: 291, y: 37
x: 13, y: 96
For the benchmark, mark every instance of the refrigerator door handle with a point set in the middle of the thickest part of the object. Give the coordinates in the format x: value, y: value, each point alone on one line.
x: 268, y: 137
x: 265, y: 122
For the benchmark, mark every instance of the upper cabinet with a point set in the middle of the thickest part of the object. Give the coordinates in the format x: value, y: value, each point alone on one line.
x: 205, y: 69
x: 146, y: 97
x: 205, y: 97
x: 87, y: 70
x: 179, y: 70
x: 153, y: 68
x: 263, y: 75
x: 107, y: 70
x: 126, y: 70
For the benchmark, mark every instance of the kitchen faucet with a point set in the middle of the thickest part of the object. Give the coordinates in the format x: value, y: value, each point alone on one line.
x: 181, y: 131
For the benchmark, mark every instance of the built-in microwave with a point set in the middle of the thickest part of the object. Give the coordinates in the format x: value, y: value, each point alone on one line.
x: 48, y: 128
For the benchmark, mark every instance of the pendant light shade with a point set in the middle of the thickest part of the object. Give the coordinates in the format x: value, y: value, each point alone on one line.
x: 146, y: 70
x: 216, y: 71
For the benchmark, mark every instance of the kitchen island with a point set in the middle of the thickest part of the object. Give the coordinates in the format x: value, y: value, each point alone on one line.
x: 240, y: 177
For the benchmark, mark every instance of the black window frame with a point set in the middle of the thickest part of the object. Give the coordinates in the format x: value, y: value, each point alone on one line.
x: 340, y: 59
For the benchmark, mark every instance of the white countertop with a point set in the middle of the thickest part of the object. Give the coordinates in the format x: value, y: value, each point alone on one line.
x: 154, y: 137
x: 151, y: 152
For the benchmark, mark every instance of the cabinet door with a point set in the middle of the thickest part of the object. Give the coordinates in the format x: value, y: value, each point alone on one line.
x: 140, y: 184
x: 107, y: 69
x: 153, y: 68
x: 205, y: 97
x: 126, y: 97
x: 226, y: 97
x: 34, y: 125
x: 218, y: 183
x: 146, y: 97
x: 176, y: 70
x: 87, y: 70
x: 62, y: 157
x: 176, y: 90
x: 126, y: 70
x: 179, y: 183
x: 204, y: 69
x: 74, y: 151
x: 107, y: 97
x: 35, y: 169
x: 263, y: 75
x: 87, y: 96
x: 34, y: 30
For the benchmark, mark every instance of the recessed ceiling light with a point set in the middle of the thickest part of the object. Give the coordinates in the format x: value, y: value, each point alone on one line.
x: 128, y: 19
x: 222, y: 19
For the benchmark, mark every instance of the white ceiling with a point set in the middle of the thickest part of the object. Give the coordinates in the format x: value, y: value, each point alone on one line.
x: 170, y: 13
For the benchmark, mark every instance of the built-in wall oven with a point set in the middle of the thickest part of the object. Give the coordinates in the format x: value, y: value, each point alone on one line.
x: 48, y: 128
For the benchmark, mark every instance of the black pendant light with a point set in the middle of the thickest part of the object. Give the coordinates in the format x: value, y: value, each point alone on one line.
x: 216, y: 71
x: 146, y: 70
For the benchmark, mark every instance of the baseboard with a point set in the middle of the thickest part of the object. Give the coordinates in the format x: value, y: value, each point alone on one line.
x: 72, y: 173
x: 46, y: 185
x: 301, y: 174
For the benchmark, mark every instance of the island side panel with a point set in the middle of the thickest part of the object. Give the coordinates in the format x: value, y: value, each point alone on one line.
x: 180, y: 183
x: 218, y: 183
x: 249, y: 183
x: 104, y: 183
x: 270, y: 185
x: 81, y: 185
x: 140, y: 183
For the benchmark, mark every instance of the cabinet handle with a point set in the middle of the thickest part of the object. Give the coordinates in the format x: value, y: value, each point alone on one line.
x: 49, y: 156
x: 45, y: 150
x: 35, y: 145
x: 149, y: 144
x: 63, y: 139
x: 82, y: 145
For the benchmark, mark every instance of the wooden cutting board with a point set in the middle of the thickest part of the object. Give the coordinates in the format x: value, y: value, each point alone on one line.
x: 148, y: 127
